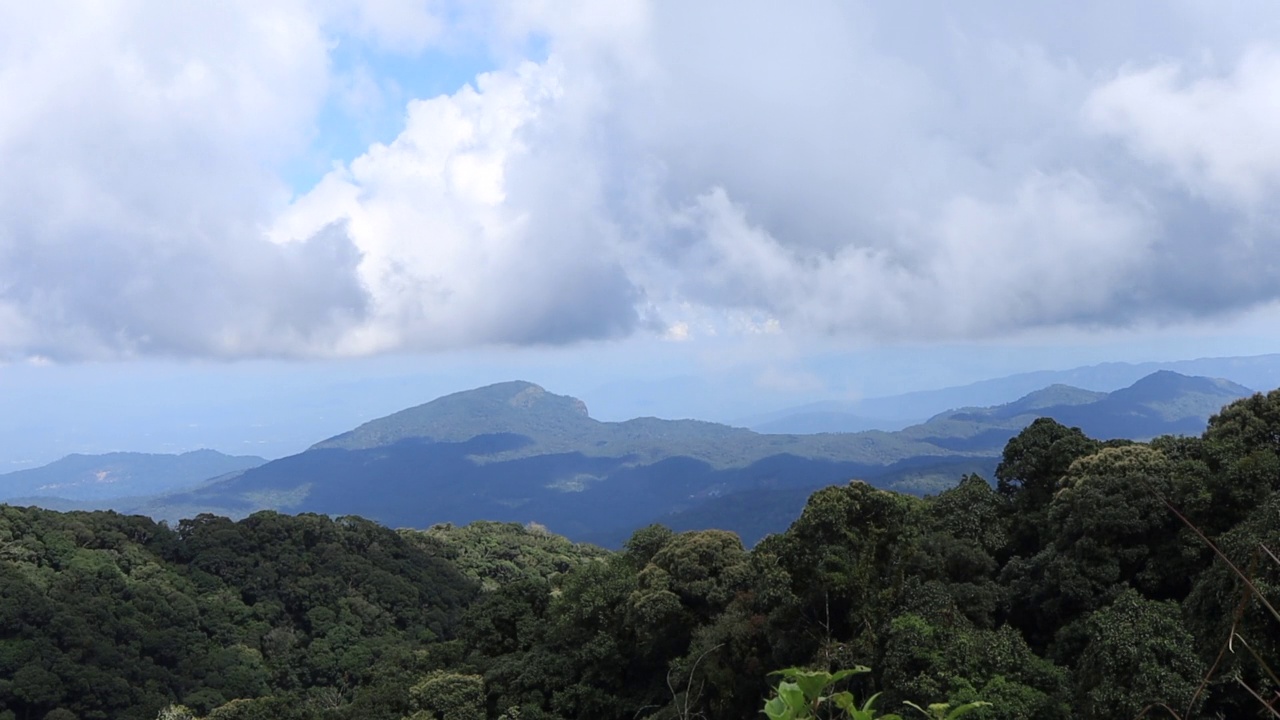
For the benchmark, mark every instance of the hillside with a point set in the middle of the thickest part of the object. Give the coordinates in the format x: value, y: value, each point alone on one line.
x: 893, y: 412
x: 514, y: 452
x: 548, y: 424
x: 77, y: 479
x: 1163, y: 403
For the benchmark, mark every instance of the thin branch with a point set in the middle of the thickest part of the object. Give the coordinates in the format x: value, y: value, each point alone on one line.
x: 1267, y: 550
x: 1236, y: 618
x: 1155, y: 705
x: 1260, y: 699
x: 1270, y: 673
x: 1244, y: 578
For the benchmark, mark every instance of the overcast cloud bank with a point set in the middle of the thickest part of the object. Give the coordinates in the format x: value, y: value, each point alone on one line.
x: 917, y: 171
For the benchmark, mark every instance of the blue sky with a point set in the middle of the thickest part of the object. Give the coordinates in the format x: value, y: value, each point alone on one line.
x: 298, y: 214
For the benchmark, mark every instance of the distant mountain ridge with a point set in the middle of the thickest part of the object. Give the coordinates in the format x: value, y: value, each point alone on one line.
x: 1163, y: 403
x: 88, y: 478
x: 515, y: 452
x: 893, y: 412
x: 548, y: 423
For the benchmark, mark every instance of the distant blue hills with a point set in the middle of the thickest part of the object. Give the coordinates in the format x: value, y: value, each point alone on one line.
x: 516, y: 452
x: 114, y: 476
x: 895, y: 412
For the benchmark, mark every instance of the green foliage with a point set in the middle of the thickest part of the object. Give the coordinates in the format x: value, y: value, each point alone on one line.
x: 808, y: 694
x: 1243, y: 446
x: 107, y: 616
x: 496, y: 554
x: 1222, y: 611
x: 932, y: 653
x: 448, y: 696
x: 846, y: 556
x: 1139, y: 653
x: 1028, y: 474
x: 944, y: 711
x: 1110, y: 530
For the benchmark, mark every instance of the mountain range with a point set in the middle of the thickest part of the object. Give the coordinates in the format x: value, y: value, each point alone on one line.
x: 896, y: 412
x: 516, y: 452
x: 117, y: 477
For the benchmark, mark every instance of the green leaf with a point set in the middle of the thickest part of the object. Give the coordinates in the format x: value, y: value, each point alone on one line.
x: 966, y: 709
x: 855, y: 670
x: 844, y: 701
x: 793, y: 696
x: 812, y: 683
x: 944, y: 711
x: 922, y: 711
x: 777, y: 709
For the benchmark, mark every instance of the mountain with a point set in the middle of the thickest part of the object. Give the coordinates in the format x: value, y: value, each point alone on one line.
x: 1163, y: 403
x: 514, y: 452
x: 78, y: 479
x: 896, y: 411
x: 537, y: 423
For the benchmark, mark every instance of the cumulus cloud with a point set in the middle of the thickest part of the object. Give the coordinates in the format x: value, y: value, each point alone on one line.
x: 455, y: 250
x: 861, y: 170
x: 140, y: 144
x: 1217, y: 133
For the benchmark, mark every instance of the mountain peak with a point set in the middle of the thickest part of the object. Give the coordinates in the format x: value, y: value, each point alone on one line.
x: 1057, y: 394
x: 1163, y: 384
x: 516, y: 407
x: 523, y: 395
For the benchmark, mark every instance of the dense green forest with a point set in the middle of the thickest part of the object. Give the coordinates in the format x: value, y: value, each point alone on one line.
x: 1091, y: 580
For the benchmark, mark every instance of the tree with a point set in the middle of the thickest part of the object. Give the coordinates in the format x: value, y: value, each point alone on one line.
x: 1243, y: 442
x: 1226, y: 613
x: 1028, y: 473
x: 1139, y: 653
x: 846, y: 555
x: 1109, y: 530
x: 448, y: 696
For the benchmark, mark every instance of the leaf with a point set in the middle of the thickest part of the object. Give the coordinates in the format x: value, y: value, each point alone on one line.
x: 944, y: 711
x: 922, y: 711
x: 966, y: 709
x: 813, y: 684
x: 871, y: 701
x: 777, y: 709
x: 793, y: 696
x: 855, y: 670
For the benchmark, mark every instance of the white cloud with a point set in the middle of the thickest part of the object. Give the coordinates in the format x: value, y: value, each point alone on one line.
x: 140, y: 143
x: 1219, y: 133
x: 860, y: 170
x: 678, y: 332
x: 454, y: 250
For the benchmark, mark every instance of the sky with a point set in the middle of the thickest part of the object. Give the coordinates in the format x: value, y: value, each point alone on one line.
x: 295, y: 215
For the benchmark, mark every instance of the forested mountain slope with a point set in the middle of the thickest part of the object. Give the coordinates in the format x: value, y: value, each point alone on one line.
x: 1070, y: 590
x: 515, y: 452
